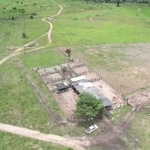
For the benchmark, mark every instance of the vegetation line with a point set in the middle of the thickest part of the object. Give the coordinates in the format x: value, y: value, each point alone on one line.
x: 42, y: 100
x: 138, y: 90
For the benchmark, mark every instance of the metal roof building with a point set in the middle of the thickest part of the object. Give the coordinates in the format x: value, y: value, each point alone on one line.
x: 61, y: 86
x: 85, y: 86
x: 77, y: 79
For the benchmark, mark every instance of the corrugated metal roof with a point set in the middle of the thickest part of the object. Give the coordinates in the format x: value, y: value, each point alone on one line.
x: 61, y: 86
x: 77, y: 78
x: 79, y: 86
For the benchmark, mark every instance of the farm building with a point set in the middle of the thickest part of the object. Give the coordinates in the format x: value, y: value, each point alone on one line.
x: 62, y: 87
x: 81, y: 86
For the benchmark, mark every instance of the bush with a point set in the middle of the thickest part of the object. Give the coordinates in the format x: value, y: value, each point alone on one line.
x: 31, y: 17
x: 12, y: 18
x: 23, y: 35
x: 14, y: 8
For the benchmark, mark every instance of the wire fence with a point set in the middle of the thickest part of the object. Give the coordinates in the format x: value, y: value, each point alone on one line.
x: 106, y: 81
x: 43, y: 101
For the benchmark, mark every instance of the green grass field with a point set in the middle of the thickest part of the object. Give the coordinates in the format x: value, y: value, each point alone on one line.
x: 12, y: 29
x: 19, y: 104
x: 89, y: 24
x: 15, y: 142
x: 79, y: 26
x: 79, y: 23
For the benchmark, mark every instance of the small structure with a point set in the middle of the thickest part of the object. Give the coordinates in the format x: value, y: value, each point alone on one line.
x: 77, y: 79
x: 62, y: 87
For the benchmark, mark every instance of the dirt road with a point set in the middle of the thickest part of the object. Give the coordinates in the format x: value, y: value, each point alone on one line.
x: 70, y: 142
x: 106, y: 139
x: 111, y: 138
x: 48, y: 33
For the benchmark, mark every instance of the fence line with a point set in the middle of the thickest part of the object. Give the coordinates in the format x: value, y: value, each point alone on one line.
x: 107, y: 82
x: 43, y: 101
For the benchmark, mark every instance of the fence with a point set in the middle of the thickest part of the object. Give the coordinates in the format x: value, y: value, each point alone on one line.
x: 43, y: 101
x: 119, y: 105
x: 107, y: 82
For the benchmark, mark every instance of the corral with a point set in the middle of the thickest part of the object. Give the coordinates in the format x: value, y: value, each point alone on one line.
x: 54, y: 76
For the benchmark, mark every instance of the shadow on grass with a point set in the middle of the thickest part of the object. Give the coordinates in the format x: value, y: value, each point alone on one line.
x: 84, y: 124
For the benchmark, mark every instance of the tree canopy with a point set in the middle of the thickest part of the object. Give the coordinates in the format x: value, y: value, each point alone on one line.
x: 88, y: 105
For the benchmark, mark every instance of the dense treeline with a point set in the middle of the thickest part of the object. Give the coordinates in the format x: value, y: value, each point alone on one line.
x: 115, y: 1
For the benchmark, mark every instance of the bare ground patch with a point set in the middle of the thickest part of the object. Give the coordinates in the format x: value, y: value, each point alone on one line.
x: 140, y: 97
x: 67, y: 100
x: 126, y: 66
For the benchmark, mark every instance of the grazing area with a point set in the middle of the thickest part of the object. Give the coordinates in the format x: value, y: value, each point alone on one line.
x: 126, y: 66
x: 15, y: 19
x: 90, y: 24
x: 43, y: 45
x: 19, y: 105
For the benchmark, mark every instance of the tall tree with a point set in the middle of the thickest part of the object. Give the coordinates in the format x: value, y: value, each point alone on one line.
x: 118, y: 3
x: 88, y: 105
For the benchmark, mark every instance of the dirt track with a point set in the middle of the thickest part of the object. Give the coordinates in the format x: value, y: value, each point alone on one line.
x: 111, y: 135
x: 48, y: 33
x: 41, y: 136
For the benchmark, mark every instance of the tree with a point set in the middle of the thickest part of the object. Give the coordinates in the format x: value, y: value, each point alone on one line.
x: 118, y: 3
x: 64, y: 68
x: 12, y: 18
x: 68, y: 51
x: 31, y: 17
x: 23, y: 34
x: 88, y: 105
x: 14, y: 8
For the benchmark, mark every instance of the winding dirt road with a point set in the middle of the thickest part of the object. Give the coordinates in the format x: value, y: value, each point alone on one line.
x: 48, y: 33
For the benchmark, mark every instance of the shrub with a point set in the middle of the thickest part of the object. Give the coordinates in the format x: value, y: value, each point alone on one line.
x: 31, y: 17
x: 12, y: 18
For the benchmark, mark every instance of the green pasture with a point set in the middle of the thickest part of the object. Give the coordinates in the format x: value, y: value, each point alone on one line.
x: 44, y: 58
x: 79, y: 23
x: 89, y: 24
x: 19, y: 104
x: 10, y: 141
x: 12, y: 29
x: 110, y: 59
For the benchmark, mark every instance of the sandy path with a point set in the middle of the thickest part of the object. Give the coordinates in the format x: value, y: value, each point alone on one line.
x: 48, y: 33
x: 51, y: 26
x: 70, y: 142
